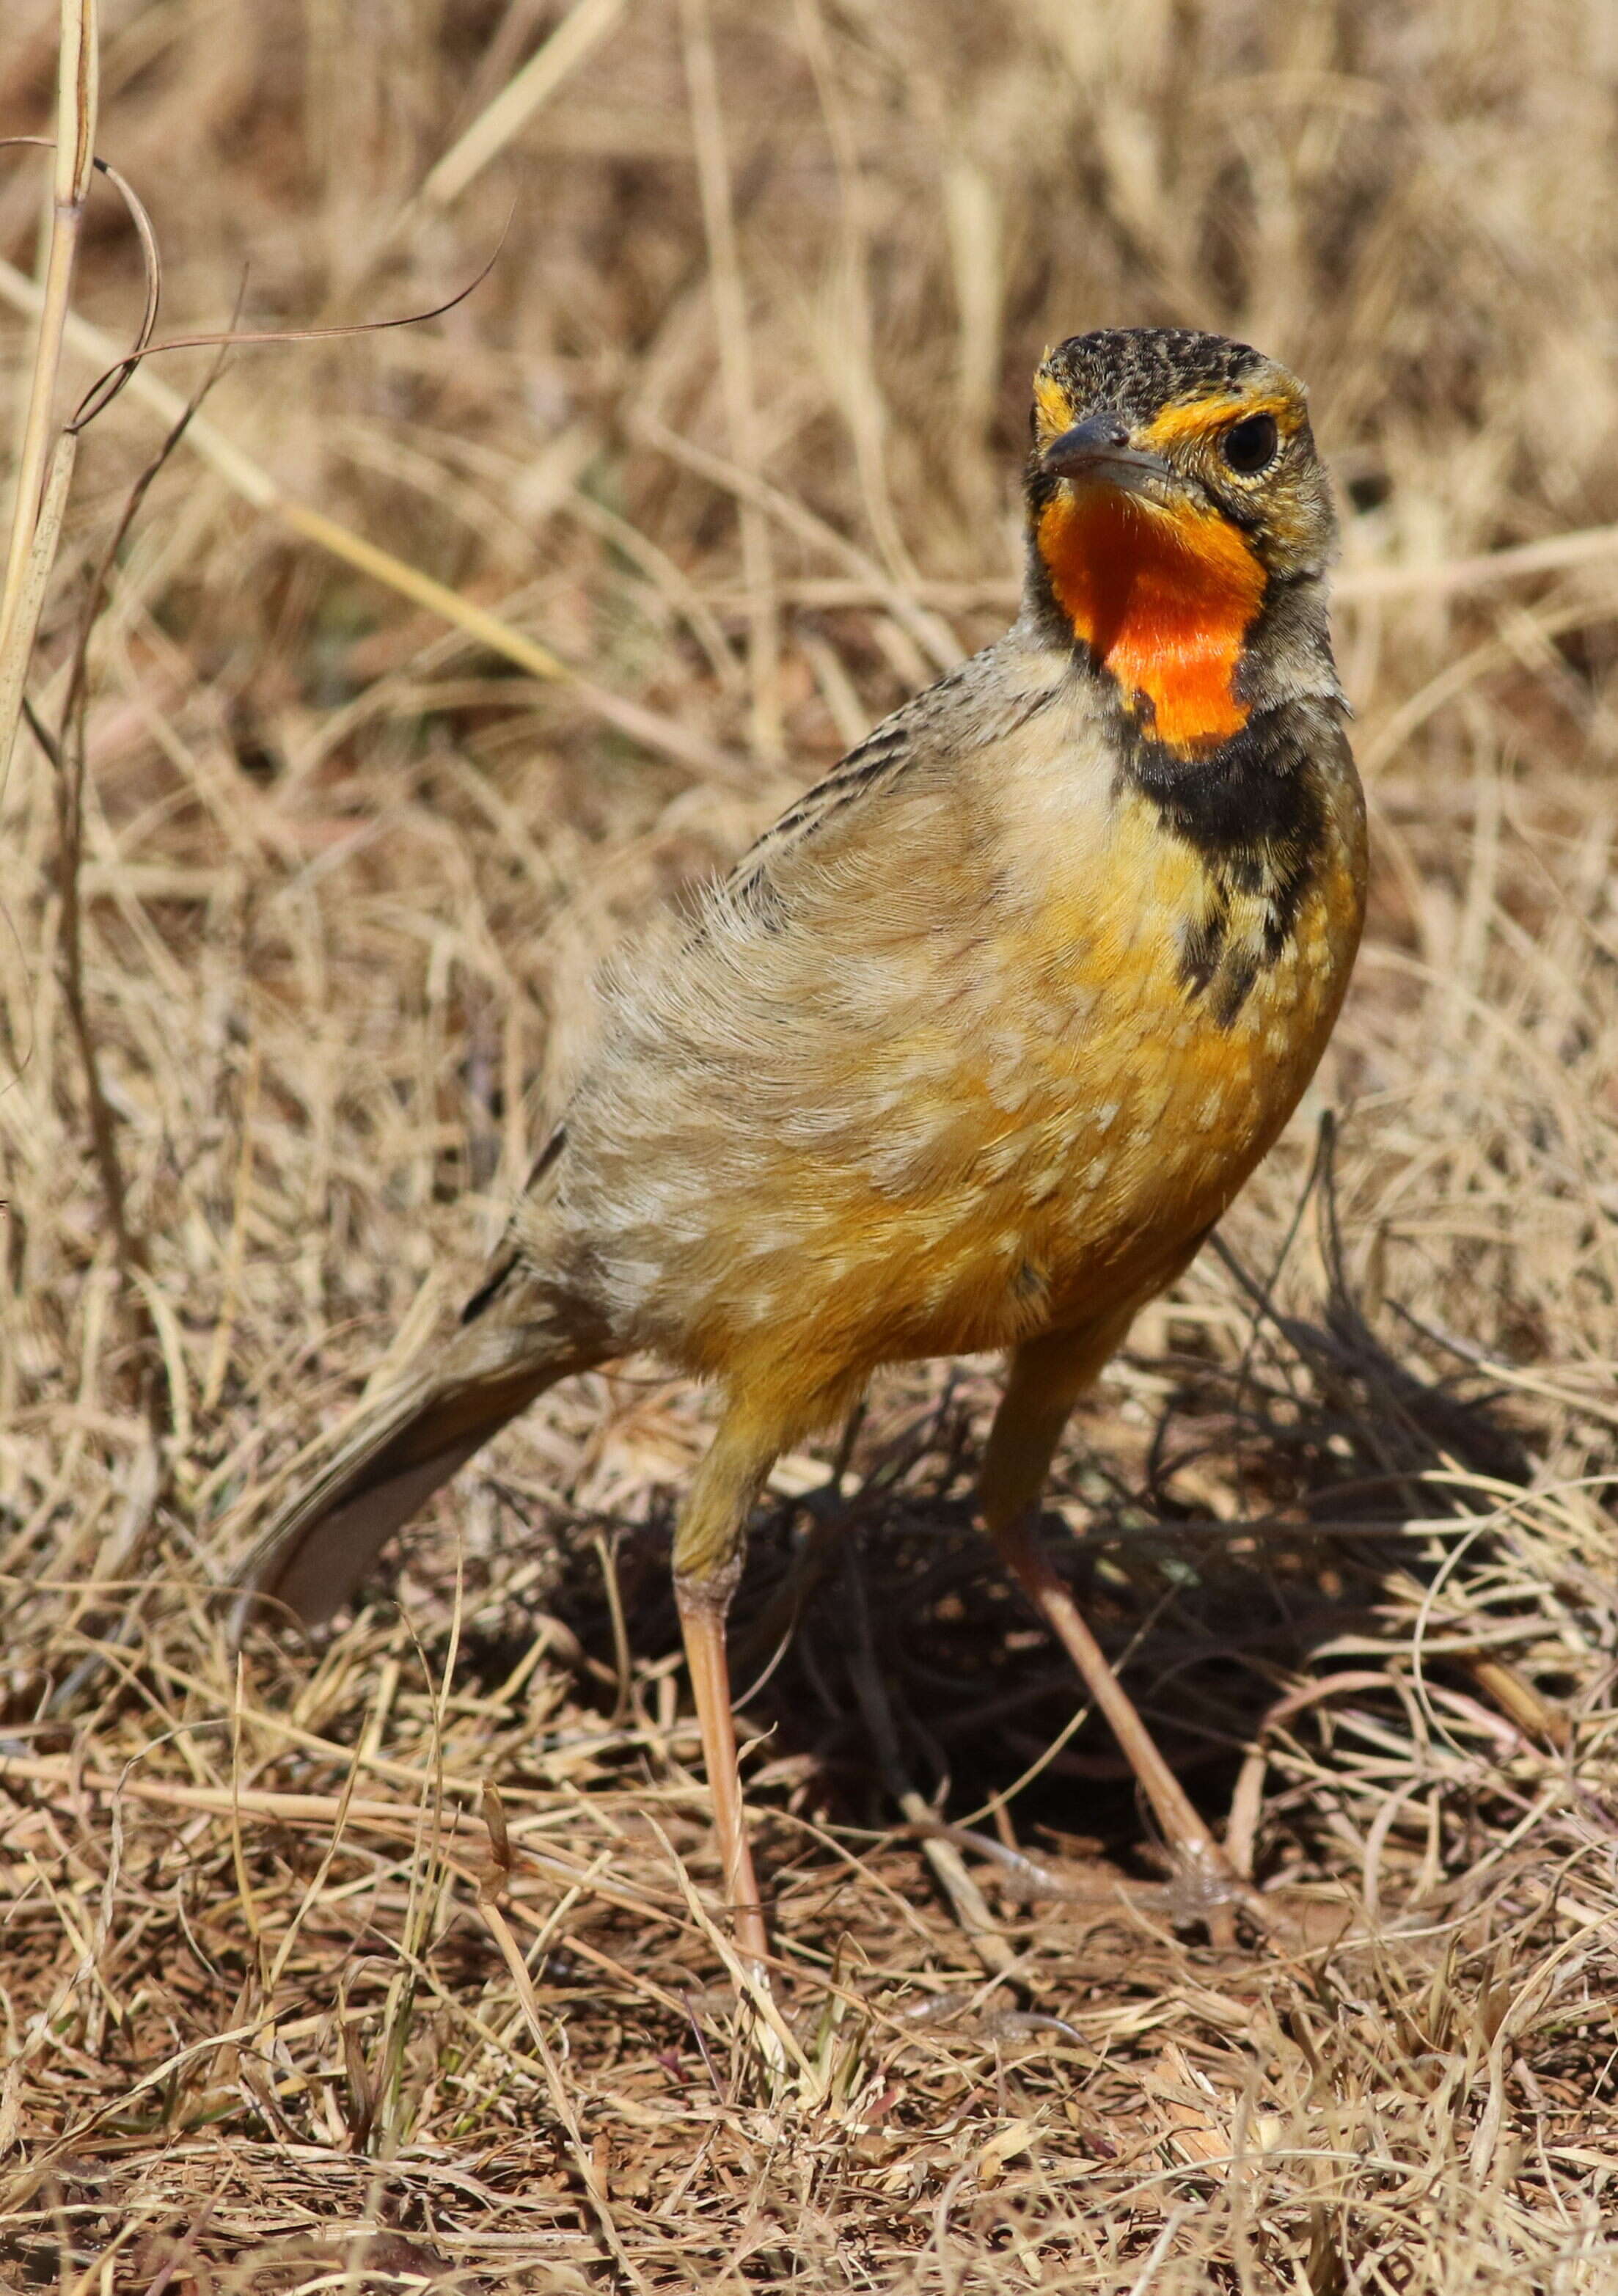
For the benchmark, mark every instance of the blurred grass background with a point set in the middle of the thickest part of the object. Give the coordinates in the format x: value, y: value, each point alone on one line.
x: 730, y: 437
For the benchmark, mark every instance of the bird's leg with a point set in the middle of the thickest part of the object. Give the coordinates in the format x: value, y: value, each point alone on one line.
x: 707, y: 1563
x: 1046, y: 1379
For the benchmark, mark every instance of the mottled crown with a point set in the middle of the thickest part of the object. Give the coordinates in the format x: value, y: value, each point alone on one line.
x: 1137, y: 370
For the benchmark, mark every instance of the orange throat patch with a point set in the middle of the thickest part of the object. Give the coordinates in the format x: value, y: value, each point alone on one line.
x: 1164, y: 602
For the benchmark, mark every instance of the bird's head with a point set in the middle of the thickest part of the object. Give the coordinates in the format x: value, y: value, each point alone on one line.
x: 1180, y: 522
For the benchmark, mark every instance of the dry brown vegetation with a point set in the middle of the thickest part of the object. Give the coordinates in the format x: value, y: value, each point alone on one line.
x: 732, y: 432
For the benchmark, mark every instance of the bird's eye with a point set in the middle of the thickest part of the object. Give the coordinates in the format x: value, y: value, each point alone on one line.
x: 1249, y: 446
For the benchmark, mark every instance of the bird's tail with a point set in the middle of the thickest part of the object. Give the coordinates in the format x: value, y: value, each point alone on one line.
x: 371, y: 1474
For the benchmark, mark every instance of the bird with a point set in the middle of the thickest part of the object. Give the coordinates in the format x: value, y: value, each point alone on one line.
x: 969, y: 1052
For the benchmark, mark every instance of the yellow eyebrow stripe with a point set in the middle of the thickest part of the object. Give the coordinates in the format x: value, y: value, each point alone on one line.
x: 1195, y: 418
x: 1053, y: 407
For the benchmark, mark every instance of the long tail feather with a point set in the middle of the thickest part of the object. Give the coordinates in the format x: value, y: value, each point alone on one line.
x: 370, y: 1475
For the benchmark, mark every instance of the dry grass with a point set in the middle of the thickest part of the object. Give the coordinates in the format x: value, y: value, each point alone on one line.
x: 731, y: 431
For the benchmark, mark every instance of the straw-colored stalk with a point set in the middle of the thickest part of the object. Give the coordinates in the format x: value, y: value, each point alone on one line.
x: 42, y: 494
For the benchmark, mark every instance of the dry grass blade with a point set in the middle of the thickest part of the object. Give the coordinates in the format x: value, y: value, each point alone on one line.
x: 971, y: 1908
x: 735, y: 366
x: 38, y: 502
x: 102, y: 394
x: 583, y: 29
x: 256, y: 485
x: 26, y: 594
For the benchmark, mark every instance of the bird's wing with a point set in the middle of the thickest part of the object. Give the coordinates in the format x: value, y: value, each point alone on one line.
x: 872, y: 766
x: 920, y: 753
x: 701, y: 1012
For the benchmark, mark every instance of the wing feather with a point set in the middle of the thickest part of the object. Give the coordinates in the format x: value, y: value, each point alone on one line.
x: 876, y: 763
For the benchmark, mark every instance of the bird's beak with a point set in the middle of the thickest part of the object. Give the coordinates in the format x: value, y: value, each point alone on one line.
x: 1098, y: 452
